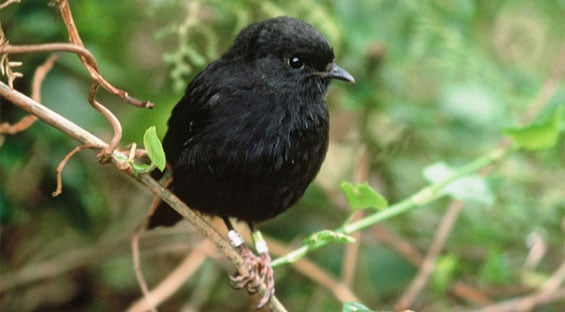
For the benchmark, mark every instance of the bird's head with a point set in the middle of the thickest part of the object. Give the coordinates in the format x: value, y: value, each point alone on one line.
x: 291, y: 50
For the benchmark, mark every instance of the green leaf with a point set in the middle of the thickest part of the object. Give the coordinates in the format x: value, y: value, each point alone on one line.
x: 154, y: 148
x: 472, y: 188
x: 539, y: 135
x: 444, y: 273
x: 328, y: 236
x: 355, y: 307
x: 142, y: 168
x: 362, y: 196
x: 496, y: 268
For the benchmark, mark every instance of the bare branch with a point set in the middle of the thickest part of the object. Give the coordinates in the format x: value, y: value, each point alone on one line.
x: 427, y: 266
x: 38, y: 77
x: 86, y: 138
x: 174, y: 279
x: 150, y: 303
x: 50, y: 117
x: 62, y: 164
x: 74, y: 38
x: 40, y: 74
x: 7, y: 3
x: 512, y: 305
x: 313, y: 271
x: 548, y: 289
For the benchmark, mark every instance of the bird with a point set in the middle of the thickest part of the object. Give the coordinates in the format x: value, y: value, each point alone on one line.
x: 252, y: 130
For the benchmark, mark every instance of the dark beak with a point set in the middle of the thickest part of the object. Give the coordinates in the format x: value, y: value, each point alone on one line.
x: 336, y: 72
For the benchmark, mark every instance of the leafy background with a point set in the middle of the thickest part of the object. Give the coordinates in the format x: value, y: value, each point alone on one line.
x: 436, y: 81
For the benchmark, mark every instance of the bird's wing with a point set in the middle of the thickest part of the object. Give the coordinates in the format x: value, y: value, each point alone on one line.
x: 189, y: 117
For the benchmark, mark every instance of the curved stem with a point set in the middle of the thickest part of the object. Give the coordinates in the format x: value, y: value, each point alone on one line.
x: 421, y: 198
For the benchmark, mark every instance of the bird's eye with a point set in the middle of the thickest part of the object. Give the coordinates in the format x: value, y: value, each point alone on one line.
x: 295, y: 62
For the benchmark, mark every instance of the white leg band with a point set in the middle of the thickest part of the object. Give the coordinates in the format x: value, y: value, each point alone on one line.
x: 260, y: 244
x: 261, y: 247
x: 235, y: 238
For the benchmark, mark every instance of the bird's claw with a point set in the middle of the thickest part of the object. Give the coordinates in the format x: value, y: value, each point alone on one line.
x: 260, y: 272
x: 267, y: 277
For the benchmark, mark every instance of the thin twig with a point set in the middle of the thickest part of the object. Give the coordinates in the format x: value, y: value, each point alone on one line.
x: 401, y: 246
x: 174, y: 279
x: 351, y: 253
x: 38, y: 77
x: 318, y: 275
x: 454, y: 209
x: 49, y: 47
x: 74, y: 37
x: 40, y: 74
x: 511, y: 305
x: 62, y: 264
x: 62, y: 165
x: 421, y: 198
x: 150, y: 303
x: 548, y: 289
x: 427, y: 266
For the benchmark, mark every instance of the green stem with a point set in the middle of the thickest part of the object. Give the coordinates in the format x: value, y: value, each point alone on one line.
x: 421, y: 198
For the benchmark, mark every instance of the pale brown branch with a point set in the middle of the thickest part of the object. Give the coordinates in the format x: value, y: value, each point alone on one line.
x: 50, y: 117
x: 512, y: 305
x: 400, y: 245
x: 549, y: 288
x: 109, y: 246
x: 149, y: 301
x: 470, y: 294
x: 49, y: 47
x: 426, y: 269
x: 62, y: 165
x: 427, y: 266
x: 7, y: 3
x: 92, y: 67
x: 105, y: 154
x: 311, y: 270
x: 86, y: 57
x: 58, y: 266
x: 21, y: 125
x: 174, y: 279
x: 40, y: 73
x: 86, y: 138
x: 351, y: 253
x: 38, y: 77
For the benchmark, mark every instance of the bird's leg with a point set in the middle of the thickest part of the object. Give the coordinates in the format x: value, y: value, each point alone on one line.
x: 259, y: 268
x: 264, y: 268
x: 251, y: 261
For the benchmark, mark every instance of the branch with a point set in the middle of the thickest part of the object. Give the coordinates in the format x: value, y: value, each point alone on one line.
x: 424, y: 196
x: 116, y: 159
x: 428, y: 265
x: 174, y: 279
x: 7, y: 3
x: 38, y: 77
x: 90, y: 63
x: 86, y: 57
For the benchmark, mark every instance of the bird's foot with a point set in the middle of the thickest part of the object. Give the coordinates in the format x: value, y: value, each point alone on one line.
x: 259, y: 272
x: 267, y: 277
x: 248, y: 281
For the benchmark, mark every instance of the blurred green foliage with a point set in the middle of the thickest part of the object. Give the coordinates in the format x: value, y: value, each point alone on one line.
x: 437, y: 81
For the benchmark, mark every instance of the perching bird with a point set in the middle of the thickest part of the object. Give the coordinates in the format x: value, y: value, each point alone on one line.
x: 251, y: 131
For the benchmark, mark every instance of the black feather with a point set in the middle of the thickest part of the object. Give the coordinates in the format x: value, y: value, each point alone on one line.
x: 251, y: 131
